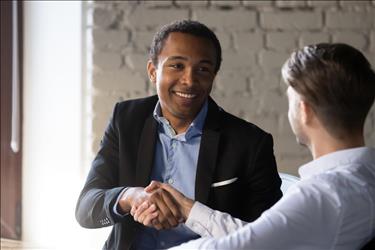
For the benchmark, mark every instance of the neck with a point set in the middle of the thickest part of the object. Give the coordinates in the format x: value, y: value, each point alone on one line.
x: 325, y: 143
x: 179, y: 125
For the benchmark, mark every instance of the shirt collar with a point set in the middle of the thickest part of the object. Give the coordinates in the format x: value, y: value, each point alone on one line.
x: 337, y: 159
x: 195, y: 128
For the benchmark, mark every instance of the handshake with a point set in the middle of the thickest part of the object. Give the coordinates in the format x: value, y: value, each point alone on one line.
x: 158, y: 205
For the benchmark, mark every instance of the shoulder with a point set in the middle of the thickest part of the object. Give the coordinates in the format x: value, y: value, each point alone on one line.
x: 136, y: 107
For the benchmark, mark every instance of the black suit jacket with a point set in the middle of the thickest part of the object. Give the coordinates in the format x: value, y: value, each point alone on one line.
x: 230, y: 148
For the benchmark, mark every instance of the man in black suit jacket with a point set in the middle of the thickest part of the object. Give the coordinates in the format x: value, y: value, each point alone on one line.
x: 235, y: 169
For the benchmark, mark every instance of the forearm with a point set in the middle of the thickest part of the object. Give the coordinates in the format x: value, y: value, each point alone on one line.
x: 95, y: 207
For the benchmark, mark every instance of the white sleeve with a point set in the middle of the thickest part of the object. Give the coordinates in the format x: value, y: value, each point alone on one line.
x: 211, y: 223
x: 302, y: 219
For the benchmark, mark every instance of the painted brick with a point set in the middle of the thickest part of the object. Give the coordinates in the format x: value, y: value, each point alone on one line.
x: 313, y: 38
x: 238, y: 61
x: 224, y: 39
x: 290, y: 4
x: 142, y: 40
x: 104, y: 104
x: 231, y: 82
x: 261, y: 84
x: 107, y: 60
x: 104, y: 18
x: 137, y: 62
x: 244, y: 107
x: 357, y: 40
x: 259, y: 3
x: 224, y: 19
x: 184, y: 3
x: 118, y: 80
x: 114, y: 40
x: 281, y: 41
x: 349, y: 20
x: 120, y: 5
x: 271, y: 60
x: 372, y: 42
x: 323, y: 3
x: 227, y: 3
x: 355, y: 3
x: 273, y: 103
x: 155, y: 17
x: 287, y: 20
x: 155, y: 3
x: 248, y: 41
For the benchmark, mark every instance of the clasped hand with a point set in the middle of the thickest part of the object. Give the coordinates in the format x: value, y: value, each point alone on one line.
x: 158, y: 205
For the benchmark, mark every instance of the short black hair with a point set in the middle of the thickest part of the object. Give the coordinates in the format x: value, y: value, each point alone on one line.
x: 336, y: 80
x: 184, y: 26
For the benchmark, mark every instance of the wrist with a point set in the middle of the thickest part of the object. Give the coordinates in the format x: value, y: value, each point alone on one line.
x: 126, y: 200
x: 187, y: 204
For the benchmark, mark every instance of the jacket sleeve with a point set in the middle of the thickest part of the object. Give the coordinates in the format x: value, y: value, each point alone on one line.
x: 263, y: 181
x: 95, y: 204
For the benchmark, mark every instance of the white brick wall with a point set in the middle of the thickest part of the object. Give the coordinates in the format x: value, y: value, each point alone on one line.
x: 256, y: 36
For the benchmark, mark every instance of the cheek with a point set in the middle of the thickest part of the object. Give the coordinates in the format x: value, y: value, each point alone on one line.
x: 292, y: 113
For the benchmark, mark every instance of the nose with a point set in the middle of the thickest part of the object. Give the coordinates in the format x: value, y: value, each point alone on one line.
x: 188, y: 77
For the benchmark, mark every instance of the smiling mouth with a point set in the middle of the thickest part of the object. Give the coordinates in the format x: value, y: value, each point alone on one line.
x: 185, y: 95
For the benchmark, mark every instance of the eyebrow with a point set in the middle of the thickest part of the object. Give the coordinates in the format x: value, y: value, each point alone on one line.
x: 185, y: 59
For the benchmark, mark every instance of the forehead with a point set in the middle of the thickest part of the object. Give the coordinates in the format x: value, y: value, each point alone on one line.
x: 184, y: 44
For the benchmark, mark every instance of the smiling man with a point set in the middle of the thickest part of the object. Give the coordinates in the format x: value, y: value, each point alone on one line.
x: 180, y: 137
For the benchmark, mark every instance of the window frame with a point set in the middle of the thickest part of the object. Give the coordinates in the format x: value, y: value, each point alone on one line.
x: 11, y: 162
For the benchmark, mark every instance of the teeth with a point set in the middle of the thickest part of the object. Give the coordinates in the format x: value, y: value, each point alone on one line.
x: 185, y: 95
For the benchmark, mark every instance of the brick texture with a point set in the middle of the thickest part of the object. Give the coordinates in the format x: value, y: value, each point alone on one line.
x: 257, y: 37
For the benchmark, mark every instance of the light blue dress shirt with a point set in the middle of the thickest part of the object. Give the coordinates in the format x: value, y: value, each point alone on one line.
x: 175, y: 163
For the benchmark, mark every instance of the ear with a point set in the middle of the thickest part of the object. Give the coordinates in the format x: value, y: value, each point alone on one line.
x: 151, y: 70
x: 306, y: 112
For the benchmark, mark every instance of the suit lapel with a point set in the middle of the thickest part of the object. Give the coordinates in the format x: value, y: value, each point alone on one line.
x: 207, y: 153
x: 146, y: 151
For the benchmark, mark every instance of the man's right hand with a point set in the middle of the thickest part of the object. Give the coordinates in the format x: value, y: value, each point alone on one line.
x: 163, y: 210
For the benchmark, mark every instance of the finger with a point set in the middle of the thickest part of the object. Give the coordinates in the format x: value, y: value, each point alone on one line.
x: 175, y: 193
x: 133, y: 210
x: 143, y: 215
x: 149, y: 218
x: 166, y: 217
x: 173, y: 206
x: 141, y: 209
x: 152, y: 186
x: 136, y: 206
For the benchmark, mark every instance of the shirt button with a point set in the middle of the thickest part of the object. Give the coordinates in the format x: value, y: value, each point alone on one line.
x: 170, y: 181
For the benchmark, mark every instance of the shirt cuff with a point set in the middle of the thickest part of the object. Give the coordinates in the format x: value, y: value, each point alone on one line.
x: 198, y: 219
x: 115, y: 207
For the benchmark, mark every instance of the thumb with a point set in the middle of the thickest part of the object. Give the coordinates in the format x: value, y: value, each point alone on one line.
x: 152, y: 186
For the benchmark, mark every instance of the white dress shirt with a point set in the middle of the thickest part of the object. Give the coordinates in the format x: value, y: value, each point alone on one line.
x: 332, y: 207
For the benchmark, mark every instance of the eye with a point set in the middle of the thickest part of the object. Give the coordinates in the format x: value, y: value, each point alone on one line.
x: 176, y: 66
x: 204, y: 69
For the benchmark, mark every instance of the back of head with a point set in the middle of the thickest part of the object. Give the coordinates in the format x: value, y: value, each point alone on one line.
x: 337, y: 81
x: 188, y: 27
